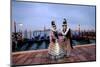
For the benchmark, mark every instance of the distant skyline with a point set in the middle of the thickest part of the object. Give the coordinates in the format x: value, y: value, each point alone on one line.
x: 34, y: 16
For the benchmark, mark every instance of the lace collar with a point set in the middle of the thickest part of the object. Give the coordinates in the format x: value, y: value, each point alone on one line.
x: 64, y: 33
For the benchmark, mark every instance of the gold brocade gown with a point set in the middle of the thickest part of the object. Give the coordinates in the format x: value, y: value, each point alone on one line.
x: 55, y: 50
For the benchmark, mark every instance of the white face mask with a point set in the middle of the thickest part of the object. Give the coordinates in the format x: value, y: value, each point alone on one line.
x: 53, y: 28
x: 64, y: 27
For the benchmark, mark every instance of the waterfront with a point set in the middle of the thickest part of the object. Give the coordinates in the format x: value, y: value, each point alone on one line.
x: 39, y: 39
x: 44, y: 45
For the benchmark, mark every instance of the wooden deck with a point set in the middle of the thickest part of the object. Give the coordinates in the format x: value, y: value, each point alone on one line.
x: 82, y: 53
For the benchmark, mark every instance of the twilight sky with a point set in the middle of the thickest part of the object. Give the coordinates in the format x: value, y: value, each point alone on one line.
x: 35, y: 16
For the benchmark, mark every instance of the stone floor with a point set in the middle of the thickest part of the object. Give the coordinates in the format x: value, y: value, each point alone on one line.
x: 82, y: 53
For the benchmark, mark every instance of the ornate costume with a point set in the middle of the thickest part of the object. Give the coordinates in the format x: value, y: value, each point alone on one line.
x: 55, y: 50
x: 67, y: 44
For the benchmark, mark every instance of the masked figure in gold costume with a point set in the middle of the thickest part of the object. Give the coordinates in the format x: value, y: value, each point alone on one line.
x: 55, y: 51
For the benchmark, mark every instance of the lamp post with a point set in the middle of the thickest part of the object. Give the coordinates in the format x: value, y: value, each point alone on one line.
x: 20, y: 27
x: 14, y: 27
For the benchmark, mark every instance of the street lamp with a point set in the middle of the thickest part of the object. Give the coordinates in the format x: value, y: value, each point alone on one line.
x: 20, y: 27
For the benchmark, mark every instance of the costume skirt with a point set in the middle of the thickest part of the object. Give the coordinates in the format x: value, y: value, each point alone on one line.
x: 55, y: 51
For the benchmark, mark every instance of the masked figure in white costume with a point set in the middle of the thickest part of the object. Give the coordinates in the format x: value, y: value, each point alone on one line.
x: 66, y: 33
x: 55, y: 51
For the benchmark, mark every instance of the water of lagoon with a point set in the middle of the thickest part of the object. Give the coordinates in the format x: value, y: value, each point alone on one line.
x: 44, y: 45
